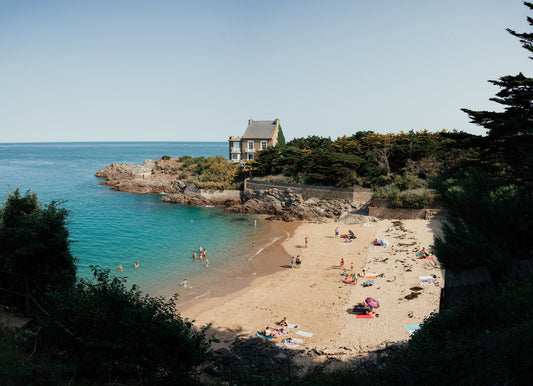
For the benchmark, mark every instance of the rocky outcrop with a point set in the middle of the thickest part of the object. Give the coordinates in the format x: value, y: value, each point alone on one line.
x: 160, y: 177
x: 288, y: 206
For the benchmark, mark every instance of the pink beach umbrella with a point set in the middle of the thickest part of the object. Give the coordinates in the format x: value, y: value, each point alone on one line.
x: 372, y: 302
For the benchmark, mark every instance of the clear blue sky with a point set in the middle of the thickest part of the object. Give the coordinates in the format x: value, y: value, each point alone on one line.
x: 198, y: 70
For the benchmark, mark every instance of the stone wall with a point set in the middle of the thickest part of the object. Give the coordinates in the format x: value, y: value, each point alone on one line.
x: 359, y: 195
x: 403, y: 214
x: 221, y: 195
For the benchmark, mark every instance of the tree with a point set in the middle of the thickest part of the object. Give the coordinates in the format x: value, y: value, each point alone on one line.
x: 115, y: 333
x: 34, y: 243
x: 511, y: 131
x: 281, y: 138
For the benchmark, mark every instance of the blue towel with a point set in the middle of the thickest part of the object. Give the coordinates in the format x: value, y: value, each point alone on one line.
x: 412, y: 326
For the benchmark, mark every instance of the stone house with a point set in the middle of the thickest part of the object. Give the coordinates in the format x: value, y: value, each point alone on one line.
x: 258, y: 136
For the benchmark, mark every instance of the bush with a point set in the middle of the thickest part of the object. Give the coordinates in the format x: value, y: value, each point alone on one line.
x: 34, y: 243
x: 115, y: 333
x: 165, y: 157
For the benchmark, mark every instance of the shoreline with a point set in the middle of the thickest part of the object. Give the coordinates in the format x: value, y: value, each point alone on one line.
x: 266, y: 261
x: 315, y: 297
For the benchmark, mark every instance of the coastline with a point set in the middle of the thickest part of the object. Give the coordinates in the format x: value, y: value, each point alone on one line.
x: 265, y: 261
x: 315, y: 297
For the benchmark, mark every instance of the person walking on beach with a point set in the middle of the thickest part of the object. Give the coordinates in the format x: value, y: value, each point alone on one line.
x: 292, y: 262
x: 306, y: 241
x: 342, y: 263
x: 351, y: 266
x: 336, y: 232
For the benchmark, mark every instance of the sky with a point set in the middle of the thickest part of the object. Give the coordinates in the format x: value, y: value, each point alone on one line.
x: 127, y: 70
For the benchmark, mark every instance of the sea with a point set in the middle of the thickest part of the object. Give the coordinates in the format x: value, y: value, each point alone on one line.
x: 109, y: 228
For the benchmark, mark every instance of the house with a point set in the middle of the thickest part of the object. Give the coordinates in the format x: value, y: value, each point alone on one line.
x: 258, y: 136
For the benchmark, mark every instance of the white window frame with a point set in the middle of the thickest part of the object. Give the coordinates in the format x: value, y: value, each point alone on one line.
x: 235, y: 157
x: 264, y: 145
x: 250, y: 156
x: 236, y: 145
x: 250, y: 145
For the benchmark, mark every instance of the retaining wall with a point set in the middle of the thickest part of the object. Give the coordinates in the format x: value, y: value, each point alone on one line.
x: 314, y: 191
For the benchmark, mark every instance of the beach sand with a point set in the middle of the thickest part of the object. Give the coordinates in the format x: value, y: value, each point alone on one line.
x: 315, y: 298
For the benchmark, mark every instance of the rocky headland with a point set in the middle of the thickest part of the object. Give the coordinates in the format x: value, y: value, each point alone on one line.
x: 163, y: 177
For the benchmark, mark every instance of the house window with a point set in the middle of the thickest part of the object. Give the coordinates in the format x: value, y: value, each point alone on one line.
x: 263, y: 145
x: 235, y: 157
x: 251, y: 145
x: 250, y: 156
x: 236, y: 145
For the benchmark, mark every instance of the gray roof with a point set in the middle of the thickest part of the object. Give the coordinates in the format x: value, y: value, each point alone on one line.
x: 260, y: 129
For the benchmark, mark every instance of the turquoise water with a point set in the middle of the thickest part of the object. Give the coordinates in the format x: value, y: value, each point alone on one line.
x: 110, y: 228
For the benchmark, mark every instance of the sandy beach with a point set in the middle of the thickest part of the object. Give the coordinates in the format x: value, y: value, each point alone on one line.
x: 315, y: 297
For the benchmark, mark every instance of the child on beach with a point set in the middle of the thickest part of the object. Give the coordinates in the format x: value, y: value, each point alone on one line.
x: 184, y: 283
x: 342, y: 263
x: 292, y: 262
x: 306, y: 242
x: 351, y: 266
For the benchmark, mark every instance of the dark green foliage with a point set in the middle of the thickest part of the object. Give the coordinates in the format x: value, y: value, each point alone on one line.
x: 34, y: 242
x: 370, y: 159
x: 281, y: 138
x: 165, y: 157
x: 116, y: 333
x: 489, y: 224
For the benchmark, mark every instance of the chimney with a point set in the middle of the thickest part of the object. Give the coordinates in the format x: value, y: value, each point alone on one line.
x: 276, y: 122
x: 250, y: 122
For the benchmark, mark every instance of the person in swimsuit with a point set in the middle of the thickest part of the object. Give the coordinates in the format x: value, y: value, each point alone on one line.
x: 298, y: 261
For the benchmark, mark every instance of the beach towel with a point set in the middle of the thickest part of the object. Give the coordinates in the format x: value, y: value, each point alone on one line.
x: 368, y: 224
x: 426, y: 280
x: 259, y: 335
x: 363, y: 316
x: 278, y: 333
x: 411, y: 328
x: 303, y: 333
x: 295, y: 342
x: 293, y: 325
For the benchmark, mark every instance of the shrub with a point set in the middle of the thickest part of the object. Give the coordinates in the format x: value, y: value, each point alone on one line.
x: 165, y: 157
x: 116, y: 333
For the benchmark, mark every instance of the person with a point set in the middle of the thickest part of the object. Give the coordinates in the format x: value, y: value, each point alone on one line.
x: 120, y: 268
x: 292, y: 262
x: 298, y: 261
x: 306, y: 241
x: 336, y: 232
x: 423, y: 253
x: 253, y: 244
x: 351, y: 266
x: 342, y: 263
x: 255, y: 223
x: 205, y: 253
x: 376, y: 242
x: 267, y: 332
x: 136, y: 265
x: 200, y: 249
x: 206, y: 264
x: 283, y: 322
x: 184, y: 283
x: 344, y: 273
x: 194, y: 255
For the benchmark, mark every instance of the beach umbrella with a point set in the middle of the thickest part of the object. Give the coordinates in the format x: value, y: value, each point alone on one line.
x: 351, y: 234
x: 372, y: 302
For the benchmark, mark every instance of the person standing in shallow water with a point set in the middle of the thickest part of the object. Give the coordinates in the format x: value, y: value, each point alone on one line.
x: 136, y: 265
